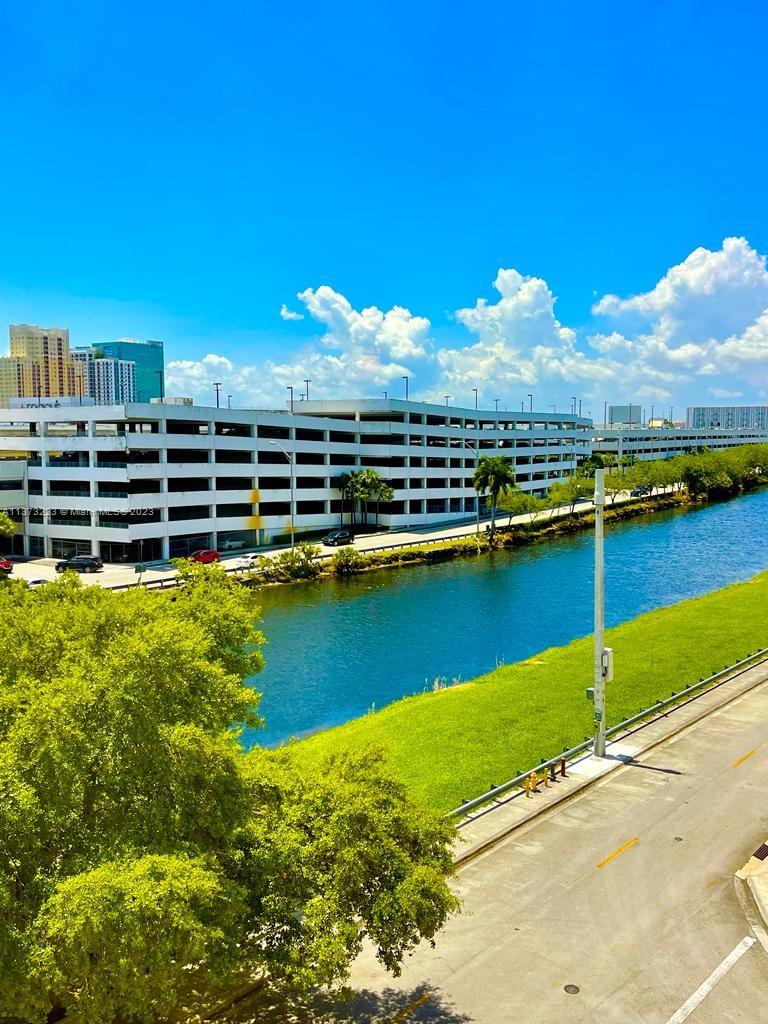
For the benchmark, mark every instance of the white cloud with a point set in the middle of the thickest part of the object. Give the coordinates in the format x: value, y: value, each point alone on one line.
x: 396, y: 333
x: 709, y: 295
x: 725, y: 393
x: 706, y: 317
x: 289, y: 314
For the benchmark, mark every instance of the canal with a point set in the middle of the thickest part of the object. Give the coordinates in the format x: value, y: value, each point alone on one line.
x: 339, y: 647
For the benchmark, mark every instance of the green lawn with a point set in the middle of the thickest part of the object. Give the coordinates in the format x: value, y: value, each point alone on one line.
x: 455, y: 743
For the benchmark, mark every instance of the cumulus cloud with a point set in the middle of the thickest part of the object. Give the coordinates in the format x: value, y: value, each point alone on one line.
x: 290, y: 314
x: 710, y: 295
x: 706, y: 317
x: 358, y: 350
x: 396, y: 333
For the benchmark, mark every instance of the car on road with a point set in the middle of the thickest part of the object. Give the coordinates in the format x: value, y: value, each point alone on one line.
x: 249, y: 561
x: 205, y: 556
x: 80, y: 563
x: 640, y: 492
x: 6, y: 565
x: 338, y: 537
x: 231, y: 545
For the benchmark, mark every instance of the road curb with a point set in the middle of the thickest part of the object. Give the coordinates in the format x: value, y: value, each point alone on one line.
x: 484, y: 845
x: 751, y: 884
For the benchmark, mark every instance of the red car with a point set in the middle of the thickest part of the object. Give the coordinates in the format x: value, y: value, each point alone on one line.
x: 6, y: 565
x: 206, y: 556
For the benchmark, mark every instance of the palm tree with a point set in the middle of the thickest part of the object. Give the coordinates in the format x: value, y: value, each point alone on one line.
x: 345, y: 482
x: 382, y: 492
x: 495, y: 474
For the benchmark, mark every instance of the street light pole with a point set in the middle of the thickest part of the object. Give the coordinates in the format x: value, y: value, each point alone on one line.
x: 603, y: 656
x: 289, y: 387
x: 476, y: 452
x: 289, y: 457
x: 474, y: 390
x: 229, y: 401
x: 405, y: 378
x: 307, y: 381
x: 530, y: 404
x: 217, y: 389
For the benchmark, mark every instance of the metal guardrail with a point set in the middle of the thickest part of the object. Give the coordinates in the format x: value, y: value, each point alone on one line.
x: 570, y: 753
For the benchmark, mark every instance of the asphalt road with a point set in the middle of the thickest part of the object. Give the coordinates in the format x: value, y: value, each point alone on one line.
x: 626, y: 893
x: 119, y: 575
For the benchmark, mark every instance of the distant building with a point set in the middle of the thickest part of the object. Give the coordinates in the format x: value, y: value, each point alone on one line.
x: 150, y: 364
x: 624, y: 415
x: 110, y: 381
x: 728, y: 417
x: 40, y: 365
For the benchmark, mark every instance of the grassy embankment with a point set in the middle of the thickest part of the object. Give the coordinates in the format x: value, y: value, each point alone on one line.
x: 454, y: 743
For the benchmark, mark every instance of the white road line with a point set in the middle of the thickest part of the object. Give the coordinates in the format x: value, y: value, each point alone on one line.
x: 706, y: 987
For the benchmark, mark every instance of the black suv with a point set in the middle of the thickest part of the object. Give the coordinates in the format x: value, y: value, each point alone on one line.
x: 336, y: 538
x: 80, y: 563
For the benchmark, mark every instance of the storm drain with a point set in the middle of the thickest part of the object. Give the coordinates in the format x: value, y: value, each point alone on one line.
x: 761, y: 853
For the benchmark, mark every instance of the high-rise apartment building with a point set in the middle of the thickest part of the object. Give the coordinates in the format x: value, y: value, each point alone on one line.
x: 110, y: 381
x: 40, y: 365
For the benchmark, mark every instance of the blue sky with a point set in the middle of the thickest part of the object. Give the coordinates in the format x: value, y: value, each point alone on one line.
x: 182, y: 171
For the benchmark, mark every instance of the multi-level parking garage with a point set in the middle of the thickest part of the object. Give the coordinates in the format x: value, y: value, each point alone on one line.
x: 665, y: 442
x: 146, y: 481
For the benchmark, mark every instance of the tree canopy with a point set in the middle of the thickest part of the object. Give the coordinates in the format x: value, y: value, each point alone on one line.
x: 360, y: 487
x: 143, y: 850
x: 7, y: 525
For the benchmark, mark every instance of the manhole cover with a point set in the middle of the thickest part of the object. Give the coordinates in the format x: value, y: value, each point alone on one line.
x: 572, y: 990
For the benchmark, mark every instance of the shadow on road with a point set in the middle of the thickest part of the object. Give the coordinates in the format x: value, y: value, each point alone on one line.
x: 418, y: 1005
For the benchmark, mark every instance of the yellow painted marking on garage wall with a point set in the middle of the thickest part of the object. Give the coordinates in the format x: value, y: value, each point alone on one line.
x: 408, y: 1010
x: 743, y: 759
x: 616, y: 853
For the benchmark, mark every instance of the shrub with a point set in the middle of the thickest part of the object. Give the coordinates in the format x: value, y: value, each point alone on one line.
x: 347, y: 562
x: 300, y: 563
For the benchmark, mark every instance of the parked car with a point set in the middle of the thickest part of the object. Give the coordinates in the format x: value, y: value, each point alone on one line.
x: 6, y: 565
x: 205, y: 556
x: 80, y: 563
x: 37, y: 583
x: 338, y: 537
x: 249, y: 561
x: 640, y: 492
x: 231, y: 545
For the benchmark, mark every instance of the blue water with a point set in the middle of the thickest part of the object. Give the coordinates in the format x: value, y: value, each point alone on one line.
x: 337, y: 648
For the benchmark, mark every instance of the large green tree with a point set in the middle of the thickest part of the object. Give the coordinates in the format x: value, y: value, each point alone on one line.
x: 7, y: 525
x: 142, y: 851
x: 570, y: 491
x: 494, y: 475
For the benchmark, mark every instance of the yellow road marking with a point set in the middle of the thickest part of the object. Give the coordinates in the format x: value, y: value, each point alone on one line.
x: 408, y: 1010
x: 743, y: 759
x: 616, y: 853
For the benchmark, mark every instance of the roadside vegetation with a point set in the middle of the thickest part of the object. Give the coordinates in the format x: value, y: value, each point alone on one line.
x: 662, y: 483
x: 145, y: 858
x: 456, y: 742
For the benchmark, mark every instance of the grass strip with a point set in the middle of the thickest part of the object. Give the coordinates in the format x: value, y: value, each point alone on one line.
x: 455, y: 743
